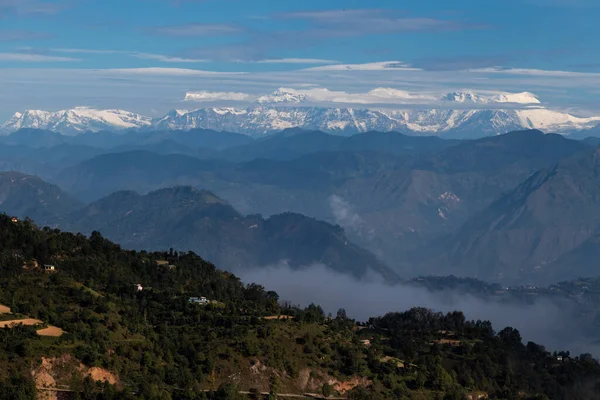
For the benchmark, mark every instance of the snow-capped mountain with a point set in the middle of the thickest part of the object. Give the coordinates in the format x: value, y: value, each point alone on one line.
x: 482, y: 98
x: 288, y: 108
x: 261, y: 119
x: 75, y: 121
x: 283, y: 95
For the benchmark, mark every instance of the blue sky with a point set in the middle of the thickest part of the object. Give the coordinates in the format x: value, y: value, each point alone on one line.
x: 146, y: 54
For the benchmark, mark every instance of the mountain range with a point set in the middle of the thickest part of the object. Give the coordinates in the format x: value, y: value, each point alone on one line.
x: 184, y: 218
x: 512, y: 208
x: 546, y: 227
x: 461, y: 115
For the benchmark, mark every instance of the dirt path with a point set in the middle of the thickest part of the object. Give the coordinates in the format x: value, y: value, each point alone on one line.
x: 17, y: 322
x: 4, y: 309
x: 53, y: 331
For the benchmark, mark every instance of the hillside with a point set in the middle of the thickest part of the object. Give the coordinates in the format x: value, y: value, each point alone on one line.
x: 417, y: 200
x: 184, y: 218
x: 141, y: 171
x: 293, y: 143
x: 152, y: 343
x: 28, y: 196
x: 393, y: 194
x: 527, y: 231
x: 396, y: 196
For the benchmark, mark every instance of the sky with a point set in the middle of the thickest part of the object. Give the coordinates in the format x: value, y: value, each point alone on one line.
x: 145, y: 55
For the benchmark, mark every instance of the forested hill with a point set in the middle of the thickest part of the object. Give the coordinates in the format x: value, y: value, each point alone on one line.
x: 151, y: 342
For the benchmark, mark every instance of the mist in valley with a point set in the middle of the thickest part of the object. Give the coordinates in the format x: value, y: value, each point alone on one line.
x: 552, y: 324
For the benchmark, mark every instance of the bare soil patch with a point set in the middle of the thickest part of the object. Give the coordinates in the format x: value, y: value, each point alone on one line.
x: 102, y: 375
x: 17, y: 322
x: 53, y: 331
x: 4, y: 309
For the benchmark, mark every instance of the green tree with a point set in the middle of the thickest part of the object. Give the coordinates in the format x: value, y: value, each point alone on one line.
x: 228, y: 391
x: 274, y: 385
x: 327, y: 390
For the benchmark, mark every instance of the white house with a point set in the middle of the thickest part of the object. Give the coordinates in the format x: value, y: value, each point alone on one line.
x: 198, y: 300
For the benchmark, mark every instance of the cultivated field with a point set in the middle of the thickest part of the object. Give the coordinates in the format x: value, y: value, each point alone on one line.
x: 53, y: 331
x: 17, y: 322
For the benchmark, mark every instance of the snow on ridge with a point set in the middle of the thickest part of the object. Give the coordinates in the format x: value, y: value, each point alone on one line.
x: 319, y: 96
x: 324, y: 95
x: 263, y: 118
x: 229, y: 110
x: 544, y: 119
x: 486, y: 97
x: 76, y: 120
x: 211, y: 96
x: 283, y: 95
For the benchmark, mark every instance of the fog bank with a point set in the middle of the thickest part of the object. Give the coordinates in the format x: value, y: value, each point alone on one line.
x: 544, y: 322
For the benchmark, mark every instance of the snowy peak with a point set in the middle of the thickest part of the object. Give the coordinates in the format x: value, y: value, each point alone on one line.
x: 461, y: 97
x: 549, y: 120
x: 489, y: 98
x: 517, y: 98
x: 283, y: 95
x: 284, y: 109
x: 76, y: 120
x: 36, y: 119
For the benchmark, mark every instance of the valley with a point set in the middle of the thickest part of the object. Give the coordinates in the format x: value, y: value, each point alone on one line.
x: 499, y: 226
x: 335, y: 200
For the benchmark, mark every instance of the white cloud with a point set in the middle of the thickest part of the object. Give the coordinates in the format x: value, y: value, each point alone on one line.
x: 375, y: 96
x: 197, y: 30
x: 161, y: 89
x: 376, y: 66
x: 29, y: 7
x: 166, y: 59
x: 146, y: 56
x: 15, y: 35
x: 84, y: 51
x: 296, y: 61
x: 534, y: 72
x: 371, y: 21
x: 165, y: 71
x: 26, y: 57
x: 392, y: 96
x: 214, y: 96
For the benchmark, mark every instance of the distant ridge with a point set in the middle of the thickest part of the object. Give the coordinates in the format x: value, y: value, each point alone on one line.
x: 186, y: 218
x: 287, y: 108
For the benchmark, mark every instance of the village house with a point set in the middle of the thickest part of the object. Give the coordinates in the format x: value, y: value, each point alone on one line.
x: 198, y: 300
x: 14, y: 219
x: 139, y: 287
x: 165, y: 264
x: 49, y: 268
